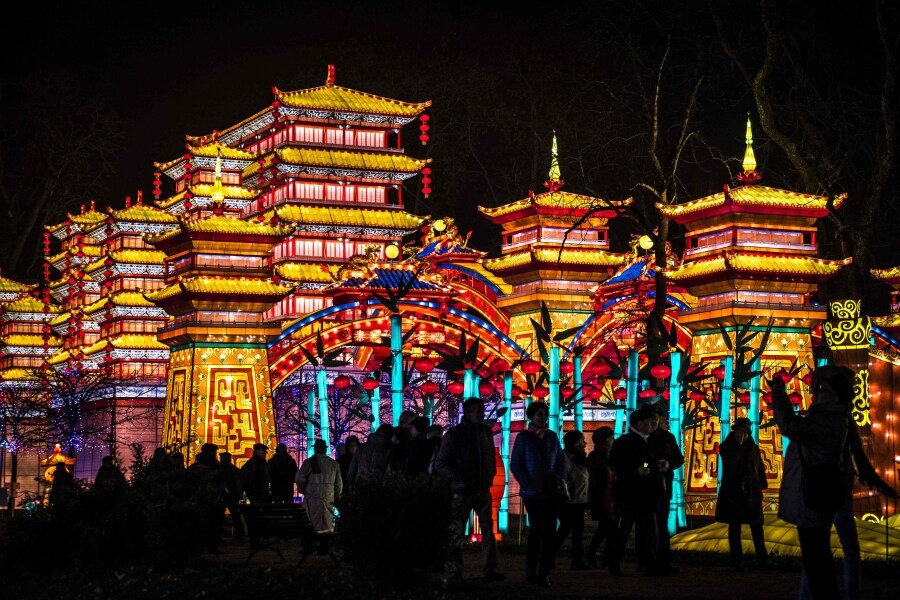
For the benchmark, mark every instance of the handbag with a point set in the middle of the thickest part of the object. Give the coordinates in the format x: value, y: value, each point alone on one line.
x: 824, y: 486
x: 557, y: 488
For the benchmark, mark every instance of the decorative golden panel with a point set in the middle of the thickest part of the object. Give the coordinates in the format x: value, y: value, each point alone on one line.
x: 846, y: 329
x: 861, y: 405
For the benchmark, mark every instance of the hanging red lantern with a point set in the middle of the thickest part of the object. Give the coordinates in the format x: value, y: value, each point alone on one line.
x: 620, y: 393
x: 647, y: 394
x: 697, y: 396
x: 665, y: 394
x: 767, y: 398
x: 540, y: 392
x: 807, y: 379
x: 370, y: 383
x: 499, y: 365
x: 599, y: 369
x: 796, y: 398
x: 485, y: 388
x: 531, y: 366
x: 456, y: 387
x: 342, y: 381
x: 660, y: 371
x: 424, y: 364
x: 517, y: 391
x: 784, y: 375
x: 744, y: 397
x: 567, y: 391
x: 429, y: 387
x: 424, y: 128
x: 719, y: 372
x: 566, y: 367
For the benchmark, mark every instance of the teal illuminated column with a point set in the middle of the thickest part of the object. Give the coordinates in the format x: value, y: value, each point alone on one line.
x: 555, y: 423
x: 677, y: 513
x: 619, y: 428
x: 396, y: 368
x: 754, y: 399
x: 310, y: 418
x: 324, y: 425
x: 631, y: 385
x: 725, y: 410
x: 579, y: 396
x: 376, y: 407
x: 468, y: 383
x: 503, y: 515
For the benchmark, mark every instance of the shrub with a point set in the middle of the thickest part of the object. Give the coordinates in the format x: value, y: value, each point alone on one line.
x: 395, y: 529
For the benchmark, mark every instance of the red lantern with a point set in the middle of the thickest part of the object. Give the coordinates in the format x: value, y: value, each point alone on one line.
x: 342, y: 381
x: 660, y: 371
x: 566, y: 367
x: 428, y: 387
x: 455, y: 387
x: 719, y: 372
x: 785, y: 376
x: 796, y: 398
x: 540, y: 392
x: 517, y: 391
x: 370, y: 383
x: 620, y: 393
x: 424, y: 128
x: 807, y: 379
x: 531, y: 366
x: 665, y: 394
x: 647, y: 394
x: 567, y: 391
x: 767, y: 398
x: 424, y: 365
x: 697, y: 396
x: 744, y: 397
x: 499, y: 365
x: 600, y: 369
x: 485, y: 388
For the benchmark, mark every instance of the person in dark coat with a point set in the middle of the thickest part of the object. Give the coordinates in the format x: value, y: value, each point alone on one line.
x: 282, y: 470
x: 741, y: 493
x: 602, y: 502
x: 62, y: 487
x: 255, y: 476
x: 821, y: 435
x: 466, y: 459
x: 421, y: 449
x: 232, y: 477
x: 207, y: 481
x: 110, y: 481
x: 536, y: 457
x: 374, y: 455
x: 639, y: 487
x: 669, y: 457
x: 571, y: 514
x: 351, y: 445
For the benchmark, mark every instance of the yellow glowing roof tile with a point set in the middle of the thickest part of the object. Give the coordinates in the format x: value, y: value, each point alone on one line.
x: 307, y: 272
x: 696, y: 268
x: 753, y: 195
x: 349, y: 216
x: 92, y: 250
x: 479, y: 268
x: 59, y: 357
x: 886, y: 274
x: 891, y: 320
x: 214, y: 150
x: 231, y: 191
x: 59, y: 319
x: 579, y: 257
x: 766, y: 263
x: 508, y: 261
x: 558, y: 199
x: 337, y: 98
x: 220, y: 285
x: 87, y: 218
x: 18, y: 374
x: 29, y: 339
x: 30, y: 304
x: 143, y: 213
x: 11, y: 285
x: 342, y: 159
x: 119, y: 299
x: 133, y: 341
x: 223, y: 224
x: 165, y: 203
x: 140, y: 257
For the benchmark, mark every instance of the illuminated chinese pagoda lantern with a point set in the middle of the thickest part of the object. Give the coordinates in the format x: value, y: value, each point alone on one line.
x: 342, y: 381
x: 620, y: 393
x: 485, y: 388
x: 796, y: 398
x: 660, y: 371
x: 370, y: 383
x: 429, y: 387
x: 456, y: 387
x: 540, y: 392
x: 424, y: 364
x: 566, y: 367
x: 719, y: 372
x: 531, y: 366
x: 499, y: 365
x: 426, y: 181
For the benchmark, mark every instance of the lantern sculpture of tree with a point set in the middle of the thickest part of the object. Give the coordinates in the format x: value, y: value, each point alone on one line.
x: 320, y: 361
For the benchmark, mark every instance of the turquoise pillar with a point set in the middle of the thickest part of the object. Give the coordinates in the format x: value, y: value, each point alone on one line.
x: 725, y: 410
x: 310, y: 417
x: 555, y: 423
x: 503, y: 514
x: 620, y: 427
x: 396, y: 368
x: 677, y: 511
x: 376, y: 408
x: 469, y: 386
x: 324, y: 425
x: 753, y: 409
x: 578, y: 396
x: 631, y: 385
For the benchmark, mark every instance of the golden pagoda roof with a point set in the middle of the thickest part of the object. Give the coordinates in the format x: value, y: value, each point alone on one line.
x: 93, y: 250
x: 508, y: 261
x: 29, y: 339
x: 128, y: 341
x: 559, y: 200
x: 130, y: 255
x: 13, y: 286
x: 30, y: 304
x: 347, y: 216
x: 19, y: 374
x: 341, y: 99
x: 553, y: 255
x: 203, y: 284
x: 892, y: 273
x: 59, y: 357
x: 119, y: 299
x: 306, y: 271
x: 753, y: 196
x: 143, y: 213
x: 59, y: 319
x: 760, y: 263
x: 200, y: 146
x: 225, y: 224
x: 887, y: 321
x: 340, y: 159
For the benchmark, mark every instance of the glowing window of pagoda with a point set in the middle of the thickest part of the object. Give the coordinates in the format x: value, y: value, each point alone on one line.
x: 519, y: 238
x: 371, y: 139
x: 305, y: 134
x: 296, y: 305
x: 558, y: 234
x: 751, y: 297
x: 336, y: 193
x: 370, y: 193
x: 131, y: 326
x: 225, y: 316
x: 554, y: 285
x: 228, y: 260
x: 130, y: 241
x: 775, y: 238
x: 710, y: 241
x: 336, y: 136
x: 338, y: 249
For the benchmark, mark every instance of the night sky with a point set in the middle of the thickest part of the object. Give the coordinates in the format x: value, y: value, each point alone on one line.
x: 501, y: 79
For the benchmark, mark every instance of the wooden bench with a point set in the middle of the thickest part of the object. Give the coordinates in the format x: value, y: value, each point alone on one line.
x: 271, y: 524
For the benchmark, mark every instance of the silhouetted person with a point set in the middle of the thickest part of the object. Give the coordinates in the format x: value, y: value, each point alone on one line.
x: 373, y: 456
x: 421, y: 448
x: 669, y: 457
x: 282, y: 470
x: 319, y: 480
x: 232, y: 477
x: 351, y: 445
x: 63, y: 486
x: 603, y: 502
x: 207, y: 479
x: 109, y: 481
x: 255, y: 476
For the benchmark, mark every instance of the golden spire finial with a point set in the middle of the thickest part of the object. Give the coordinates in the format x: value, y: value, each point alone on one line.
x: 554, y: 181
x: 218, y: 192
x: 750, y: 174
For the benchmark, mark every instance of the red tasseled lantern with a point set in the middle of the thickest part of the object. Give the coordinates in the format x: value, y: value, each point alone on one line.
x: 744, y: 397
x: 424, y: 364
x: 767, y: 398
x: 499, y: 365
x: 785, y: 376
x: 455, y: 387
x: 517, y: 391
x: 620, y: 393
x: 665, y: 394
x: 719, y: 372
x: 540, y: 392
x: 796, y: 398
x: 370, y: 383
x: 429, y: 387
x: 342, y: 381
x: 697, y: 396
x: 567, y: 391
x: 807, y: 379
x: 485, y: 388
x: 566, y: 367
x: 646, y: 394
x: 531, y: 366
x: 424, y: 128
x: 660, y: 371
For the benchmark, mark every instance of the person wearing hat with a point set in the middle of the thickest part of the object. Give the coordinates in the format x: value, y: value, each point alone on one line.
x: 319, y: 480
x: 255, y: 476
x: 282, y: 470
x: 741, y: 492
